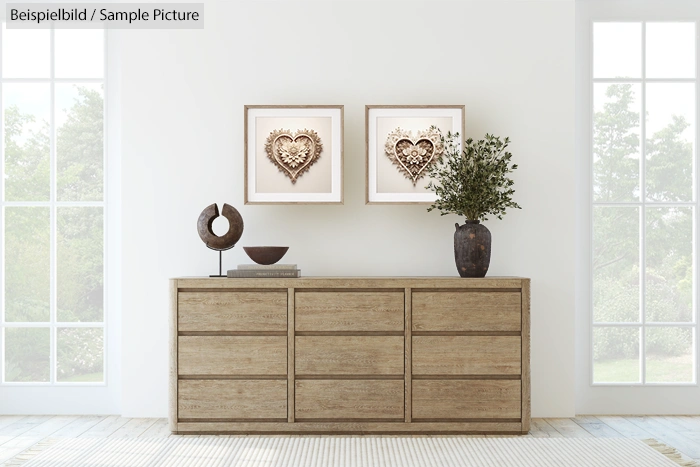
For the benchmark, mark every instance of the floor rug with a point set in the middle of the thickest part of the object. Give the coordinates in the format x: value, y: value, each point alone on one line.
x: 358, y: 451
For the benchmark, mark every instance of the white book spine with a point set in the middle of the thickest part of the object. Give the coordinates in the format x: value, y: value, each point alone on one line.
x: 264, y: 273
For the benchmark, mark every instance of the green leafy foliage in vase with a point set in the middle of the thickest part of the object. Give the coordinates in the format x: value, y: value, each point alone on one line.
x: 473, y: 181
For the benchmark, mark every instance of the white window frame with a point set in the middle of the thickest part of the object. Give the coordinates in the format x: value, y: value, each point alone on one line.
x: 642, y: 397
x: 642, y: 204
x: 80, y: 398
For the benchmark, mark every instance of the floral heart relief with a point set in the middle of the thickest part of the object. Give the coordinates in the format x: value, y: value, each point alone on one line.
x: 414, y: 154
x: 293, y: 153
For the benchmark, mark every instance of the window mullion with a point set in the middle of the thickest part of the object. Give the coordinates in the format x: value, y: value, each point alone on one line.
x: 643, y: 211
x: 105, y: 218
x: 662, y: 204
x: 53, y: 215
x: 2, y: 224
x: 696, y: 231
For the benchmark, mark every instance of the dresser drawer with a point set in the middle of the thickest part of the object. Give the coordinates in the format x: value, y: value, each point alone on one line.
x: 466, y: 311
x: 239, y: 399
x: 232, y: 355
x: 466, y: 355
x: 349, y: 399
x: 349, y: 355
x: 453, y: 399
x: 349, y: 311
x: 232, y: 311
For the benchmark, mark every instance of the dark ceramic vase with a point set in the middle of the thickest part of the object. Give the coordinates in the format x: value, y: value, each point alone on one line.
x: 472, y: 249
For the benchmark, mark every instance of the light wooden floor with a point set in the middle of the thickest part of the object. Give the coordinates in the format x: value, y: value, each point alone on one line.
x: 18, y: 433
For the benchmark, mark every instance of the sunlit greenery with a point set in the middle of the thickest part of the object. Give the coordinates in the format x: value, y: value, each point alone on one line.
x: 79, y: 240
x: 668, y: 276
x: 669, y: 369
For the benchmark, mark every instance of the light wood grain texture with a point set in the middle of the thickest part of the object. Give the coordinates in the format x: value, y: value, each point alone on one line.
x: 39, y: 430
x: 525, y: 355
x: 159, y: 429
x: 6, y: 420
x: 232, y: 399
x: 342, y: 341
x: 349, y: 399
x: 672, y: 423
x: 172, y: 377
x: 20, y: 430
x: 466, y: 355
x: 349, y: 311
x: 347, y: 355
x: 350, y: 427
x: 540, y: 428
x: 367, y: 107
x: 487, y: 399
x: 232, y: 355
x: 134, y: 428
x: 79, y: 426
x: 568, y: 428
x: 408, y: 387
x: 685, y: 423
x: 666, y: 434
x: 107, y: 426
x: 232, y: 311
x: 466, y: 311
x: 625, y: 427
x: 597, y: 428
x: 351, y: 283
x: 291, y: 303
x: 693, y: 422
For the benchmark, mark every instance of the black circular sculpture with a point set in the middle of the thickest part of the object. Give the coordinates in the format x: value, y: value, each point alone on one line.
x: 226, y: 241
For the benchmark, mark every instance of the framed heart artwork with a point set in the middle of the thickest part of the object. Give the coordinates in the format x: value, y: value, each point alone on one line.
x: 402, y: 142
x: 293, y: 154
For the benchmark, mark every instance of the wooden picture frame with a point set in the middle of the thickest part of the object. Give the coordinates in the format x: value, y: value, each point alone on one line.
x: 293, y: 154
x: 392, y: 175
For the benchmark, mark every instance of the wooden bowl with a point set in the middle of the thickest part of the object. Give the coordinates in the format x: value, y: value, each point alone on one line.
x: 266, y: 254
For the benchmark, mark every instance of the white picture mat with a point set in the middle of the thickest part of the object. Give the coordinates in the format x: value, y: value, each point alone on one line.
x: 335, y: 195
x: 372, y: 152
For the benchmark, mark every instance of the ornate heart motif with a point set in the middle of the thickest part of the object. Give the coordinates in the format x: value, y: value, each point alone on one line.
x: 414, y: 154
x: 293, y: 153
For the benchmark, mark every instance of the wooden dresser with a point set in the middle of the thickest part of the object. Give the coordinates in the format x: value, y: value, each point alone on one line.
x: 350, y: 355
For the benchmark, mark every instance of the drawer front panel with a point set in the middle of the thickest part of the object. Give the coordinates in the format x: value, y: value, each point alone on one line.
x: 349, y: 311
x: 466, y: 311
x: 349, y: 399
x: 232, y: 399
x: 349, y: 355
x: 232, y: 311
x: 473, y: 399
x: 232, y: 355
x: 466, y: 355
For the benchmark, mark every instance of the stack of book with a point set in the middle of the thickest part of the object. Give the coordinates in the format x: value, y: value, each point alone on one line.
x: 261, y: 270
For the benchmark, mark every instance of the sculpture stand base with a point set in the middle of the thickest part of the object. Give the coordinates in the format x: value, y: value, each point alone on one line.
x: 220, y: 271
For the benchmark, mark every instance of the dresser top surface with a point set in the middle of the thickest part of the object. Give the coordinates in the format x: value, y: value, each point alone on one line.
x: 353, y: 282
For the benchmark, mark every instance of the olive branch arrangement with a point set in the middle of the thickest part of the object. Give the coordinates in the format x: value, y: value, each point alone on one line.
x: 473, y: 182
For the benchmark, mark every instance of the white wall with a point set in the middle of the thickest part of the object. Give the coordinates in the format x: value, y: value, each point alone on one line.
x: 510, y: 63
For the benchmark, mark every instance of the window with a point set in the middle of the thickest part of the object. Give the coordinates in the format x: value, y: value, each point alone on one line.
x: 52, y: 219
x: 644, y: 203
